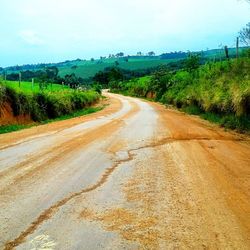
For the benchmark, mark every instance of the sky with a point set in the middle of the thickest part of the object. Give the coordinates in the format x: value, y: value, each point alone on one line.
x: 36, y: 31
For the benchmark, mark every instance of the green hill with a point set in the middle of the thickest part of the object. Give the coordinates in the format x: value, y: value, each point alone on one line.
x: 88, y: 68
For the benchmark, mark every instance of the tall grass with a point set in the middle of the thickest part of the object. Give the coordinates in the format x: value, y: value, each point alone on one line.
x: 222, y: 88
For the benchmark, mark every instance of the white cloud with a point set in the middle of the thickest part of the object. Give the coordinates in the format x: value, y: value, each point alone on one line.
x: 90, y: 28
x: 31, y: 37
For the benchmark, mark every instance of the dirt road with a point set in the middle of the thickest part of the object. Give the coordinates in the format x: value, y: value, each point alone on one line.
x: 132, y: 176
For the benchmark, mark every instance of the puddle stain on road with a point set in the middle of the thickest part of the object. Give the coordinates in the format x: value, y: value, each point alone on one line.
x: 130, y: 226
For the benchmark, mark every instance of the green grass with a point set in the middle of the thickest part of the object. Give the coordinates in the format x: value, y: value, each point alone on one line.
x: 78, y: 113
x: 229, y: 121
x: 192, y: 110
x: 15, y: 127
x: 240, y: 124
x: 217, y: 88
x: 45, y: 104
x: 27, y: 86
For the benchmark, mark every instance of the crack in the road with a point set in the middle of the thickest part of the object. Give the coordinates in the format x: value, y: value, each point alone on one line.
x: 49, y: 212
x: 67, y: 146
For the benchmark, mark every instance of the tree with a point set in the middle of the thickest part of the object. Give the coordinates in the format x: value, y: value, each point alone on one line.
x: 151, y: 53
x: 174, y: 55
x: 97, y: 87
x: 74, y: 67
x: 120, y: 54
x: 52, y: 72
x: 101, y: 77
x: 72, y: 80
x: 115, y: 74
x: 192, y: 62
x: 160, y: 82
x: 139, y: 53
x: 108, y: 75
x: 245, y: 35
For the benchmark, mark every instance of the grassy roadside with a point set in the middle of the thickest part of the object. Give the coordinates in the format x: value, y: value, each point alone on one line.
x: 228, y: 121
x: 240, y: 124
x: 43, y: 106
x: 15, y: 127
x: 218, y: 92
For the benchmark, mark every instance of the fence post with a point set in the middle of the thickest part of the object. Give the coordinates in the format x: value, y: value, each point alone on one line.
x: 237, y: 47
x: 226, y: 52
x: 20, y: 78
x: 32, y: 84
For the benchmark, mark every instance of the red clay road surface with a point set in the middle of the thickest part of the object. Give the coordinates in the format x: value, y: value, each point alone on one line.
x: 133, y: 176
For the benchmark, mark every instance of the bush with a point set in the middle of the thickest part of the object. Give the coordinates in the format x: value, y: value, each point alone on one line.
x: 97, y: 88
x: 2, y: 94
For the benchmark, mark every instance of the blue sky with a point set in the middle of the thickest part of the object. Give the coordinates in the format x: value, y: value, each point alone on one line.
x: 34, y: 31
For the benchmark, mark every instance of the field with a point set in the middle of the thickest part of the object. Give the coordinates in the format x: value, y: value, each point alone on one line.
x: 27, y: 86
x: 86, y: 69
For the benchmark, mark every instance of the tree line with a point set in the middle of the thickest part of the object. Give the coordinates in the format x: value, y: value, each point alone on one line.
x: 47, y: 76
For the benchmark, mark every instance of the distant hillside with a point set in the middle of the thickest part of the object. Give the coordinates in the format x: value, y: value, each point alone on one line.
x: 88, y: 68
